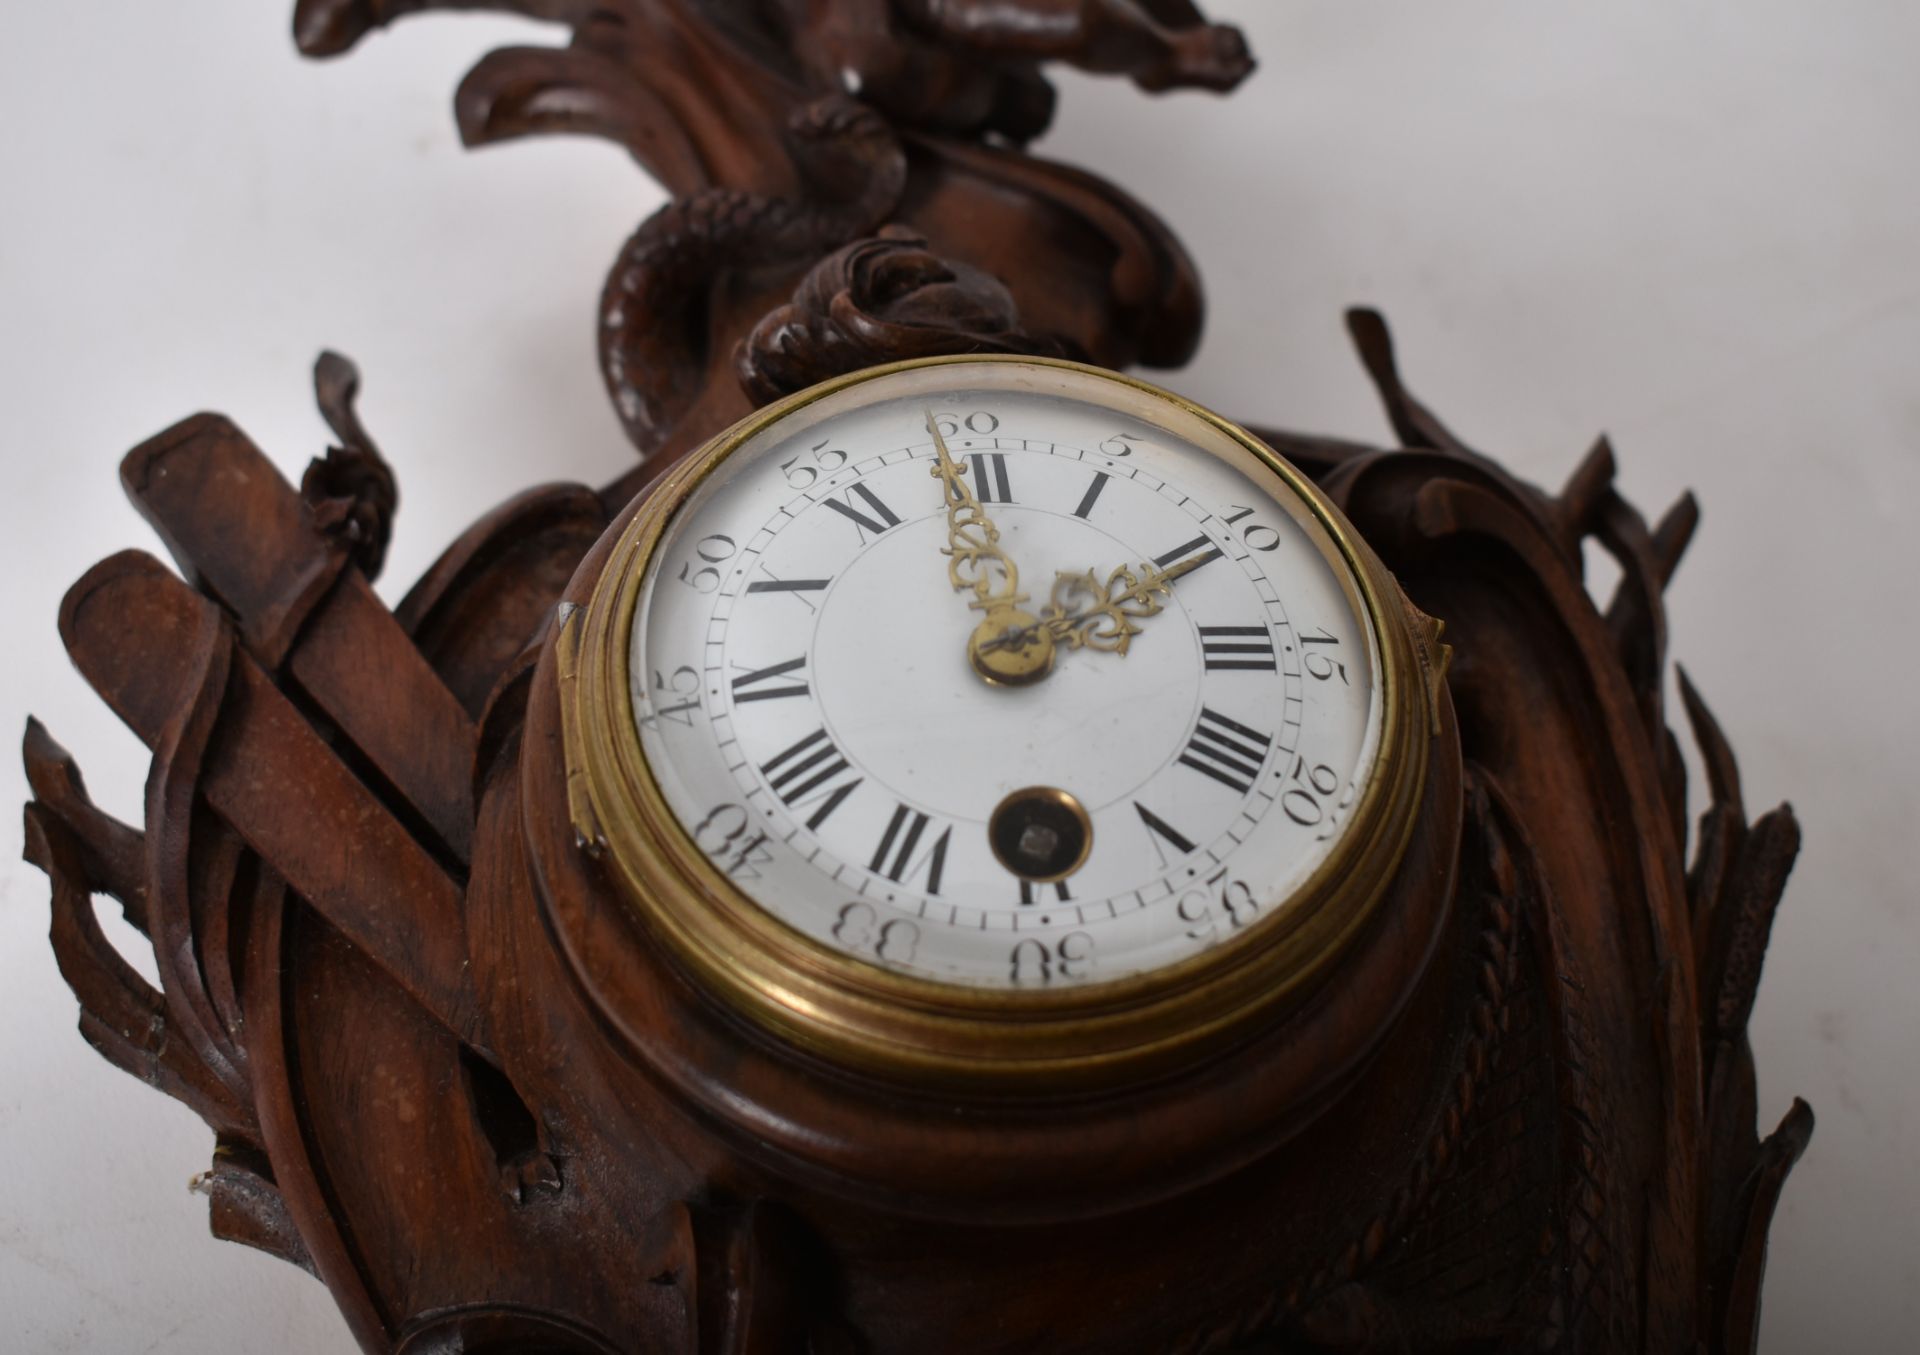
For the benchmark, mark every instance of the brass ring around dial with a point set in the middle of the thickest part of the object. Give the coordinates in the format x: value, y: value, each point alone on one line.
x: 926, y: 1032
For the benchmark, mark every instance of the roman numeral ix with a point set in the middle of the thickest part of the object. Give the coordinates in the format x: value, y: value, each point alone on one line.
x: 767, y: 684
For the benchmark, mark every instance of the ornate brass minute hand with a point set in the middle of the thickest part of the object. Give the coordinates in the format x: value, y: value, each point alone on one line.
x: 1083, y: 613
x: 977, y: 564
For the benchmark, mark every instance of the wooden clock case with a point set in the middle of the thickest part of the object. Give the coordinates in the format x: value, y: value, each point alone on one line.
x: 450, y: 1073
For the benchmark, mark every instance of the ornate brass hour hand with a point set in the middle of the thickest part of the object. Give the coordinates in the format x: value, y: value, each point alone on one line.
x: 1084, y: 613
x: 976, y: 563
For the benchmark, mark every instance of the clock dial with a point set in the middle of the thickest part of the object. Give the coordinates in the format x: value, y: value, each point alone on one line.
x: 1005, y: 675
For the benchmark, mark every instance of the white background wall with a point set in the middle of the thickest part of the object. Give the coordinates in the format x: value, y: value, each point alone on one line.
x: 1692, y: 223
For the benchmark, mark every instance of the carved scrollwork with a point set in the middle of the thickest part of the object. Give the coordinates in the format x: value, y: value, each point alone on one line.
x: 786, y: 131
x: 1519, y: 1213
x: 958, y: 66
x: 1085, y: 612
x: 653, y: 313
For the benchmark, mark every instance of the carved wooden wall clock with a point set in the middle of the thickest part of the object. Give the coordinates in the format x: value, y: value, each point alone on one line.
x: 961, y: 849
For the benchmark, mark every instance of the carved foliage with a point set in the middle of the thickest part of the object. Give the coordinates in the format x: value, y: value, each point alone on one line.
x: 786, y: 130
x: 654, y: 314
x: 350, y: 491
x: 1521, y: 1216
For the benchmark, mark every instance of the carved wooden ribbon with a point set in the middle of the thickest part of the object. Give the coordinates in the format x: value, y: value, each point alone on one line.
x: 241, y: 532
x: 270, y: 776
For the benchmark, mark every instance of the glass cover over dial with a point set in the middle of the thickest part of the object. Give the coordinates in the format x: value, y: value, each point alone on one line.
x: 1005, y: 675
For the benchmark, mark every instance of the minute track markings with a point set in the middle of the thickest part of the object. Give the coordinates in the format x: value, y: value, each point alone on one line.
x: 1058, y: 503
x: 1029, y: 894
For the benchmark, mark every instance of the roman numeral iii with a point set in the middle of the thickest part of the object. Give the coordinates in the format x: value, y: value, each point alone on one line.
x: 1244, y: 648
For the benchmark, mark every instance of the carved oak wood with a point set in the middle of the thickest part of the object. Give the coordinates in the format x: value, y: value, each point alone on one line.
x: 448, y: 1076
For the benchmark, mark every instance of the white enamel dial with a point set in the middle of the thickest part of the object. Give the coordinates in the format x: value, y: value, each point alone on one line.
x: 808, y: 690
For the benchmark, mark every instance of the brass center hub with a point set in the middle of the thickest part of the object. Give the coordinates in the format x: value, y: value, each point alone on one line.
x: 1011, y: 647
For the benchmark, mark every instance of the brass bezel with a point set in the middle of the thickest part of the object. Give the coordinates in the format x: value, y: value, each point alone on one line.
x: 933, y: 1033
